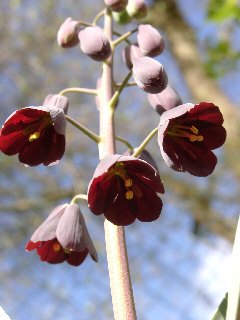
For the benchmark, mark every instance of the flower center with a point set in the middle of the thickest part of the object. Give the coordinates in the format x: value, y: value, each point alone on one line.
x: 35, y: 131
x: 186, y: 132
x: 132, y: 190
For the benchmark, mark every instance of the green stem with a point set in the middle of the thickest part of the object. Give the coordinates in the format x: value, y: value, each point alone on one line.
x: 123, y: 38
x: 119, y: 35
x: 129, y: 146
x: 129, y: 84
x: 85, y: 130
x: 144, y: 143
x: 79, y: 90
x: 114, y: 98
x: 79, y: 197
x: 84, y: 23
x: 98, y: 16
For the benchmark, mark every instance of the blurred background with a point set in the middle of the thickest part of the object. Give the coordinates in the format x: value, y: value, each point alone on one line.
x: 179, y: 263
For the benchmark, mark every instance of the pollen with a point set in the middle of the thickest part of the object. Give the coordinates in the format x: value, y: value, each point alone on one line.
x: 128, y: 183
x: 129, y: 195
x: 67, y: 251
x: 34, y: 136
x: 56, y: 247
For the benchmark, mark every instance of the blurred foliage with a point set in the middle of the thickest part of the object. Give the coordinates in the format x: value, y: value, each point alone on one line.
x: 221, y: 10
x: 222, y: 309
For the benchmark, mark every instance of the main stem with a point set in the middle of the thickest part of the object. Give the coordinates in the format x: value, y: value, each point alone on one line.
x: 120, y: 281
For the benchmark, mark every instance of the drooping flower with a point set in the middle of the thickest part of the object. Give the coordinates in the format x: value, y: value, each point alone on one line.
x: 188, y: 133
x: 165, y: 100
x: 67, y: 35
x: 37, y: 134
x: 124, y: 189
x: 149, y: 75
x: 63, y: 236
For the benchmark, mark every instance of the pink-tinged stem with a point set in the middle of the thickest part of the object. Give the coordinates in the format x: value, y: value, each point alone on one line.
x: 120, y: 281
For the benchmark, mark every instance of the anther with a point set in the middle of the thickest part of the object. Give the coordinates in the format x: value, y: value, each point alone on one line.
x: 34, y: 136
x: 128, y: 183
x: 56, y: 247
x: 129, y: 195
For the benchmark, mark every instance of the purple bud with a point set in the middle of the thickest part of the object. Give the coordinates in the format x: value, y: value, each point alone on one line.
x: 137, y: 9
x: 165, y: 100
x: 116, y: 5
x: 149, y: 75
x: 94, y: 43
x: 56, y: 100
x: 150, y: 40
x: 130, y: 53
x: 67, y: 35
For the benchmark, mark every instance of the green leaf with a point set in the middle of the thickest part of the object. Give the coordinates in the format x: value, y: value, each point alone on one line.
x: 220, y: 10
x: 222, y: 310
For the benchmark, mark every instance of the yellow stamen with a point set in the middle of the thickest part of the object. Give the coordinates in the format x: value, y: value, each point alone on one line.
x: 68, y: 251
x: 194, y: 129
x: 34, y: 136
x: 128, y: 183
x: 56, y: 247
x: 129, y: 195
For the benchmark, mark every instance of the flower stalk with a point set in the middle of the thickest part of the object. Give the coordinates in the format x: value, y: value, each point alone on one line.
x: 120, y: 281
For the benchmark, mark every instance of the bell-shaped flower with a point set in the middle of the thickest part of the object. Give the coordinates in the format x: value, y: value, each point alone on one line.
x: 144, y: 155
x: 137, y: 9
x: 116, y: 5
x: 188, y: 133
x: 63, y: 236
x: 149, y: 75
x: 124, y: 189
x: 95, y: 43
x: 150, y: 40
x: 36, y: 134
x: 165, y: 100
x: 67, y: 35
x: 130, y: 53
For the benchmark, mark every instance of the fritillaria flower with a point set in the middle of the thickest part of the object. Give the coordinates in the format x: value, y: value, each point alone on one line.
x: 94, y: 43
x: 149, y: 75
x: 116, y: 5
x: 63, y: 236
x: 124, y: 189
x: 67, y: 35
x: 36, y: 134
x: 137, y: 9
x: 188, y: 133
x: 165, y: 100
x: 150, y: 40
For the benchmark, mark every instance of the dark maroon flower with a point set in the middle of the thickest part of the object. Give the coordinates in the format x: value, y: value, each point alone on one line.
x: 124, y: 188
x: 188, y: 133
x: 63, y: 236
x: 37, y: 134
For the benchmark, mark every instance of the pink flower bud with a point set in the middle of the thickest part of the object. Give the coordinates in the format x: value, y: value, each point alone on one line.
x: 94, y: 43
x: 116, y: 5
x: 150, y: 40
x: 165, y: 100
x: 67, y: 35
x: 130, y: 53
x: 137, y: 9
x: 149, y: 75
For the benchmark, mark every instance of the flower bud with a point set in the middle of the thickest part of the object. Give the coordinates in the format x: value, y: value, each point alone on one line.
x: 137, y: 9
x: 116, y: 5
x: 130, y: 53
x: 57, y: 100
x: 165, y: 100
x: 121, y: 17
x: 67, y: 35
x: 150, y: 40
x: 149, y: 75
x: 94, y: 43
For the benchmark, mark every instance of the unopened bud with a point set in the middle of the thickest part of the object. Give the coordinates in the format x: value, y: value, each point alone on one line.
x: 137, y: 9
x: 150, y: 40
x: 116, y: 5
x: 121, y: 17
x: 130, y: 53
x: 149, y: 75
x: 165, y: 100
x: 67, y: 35
x: 94, y: 43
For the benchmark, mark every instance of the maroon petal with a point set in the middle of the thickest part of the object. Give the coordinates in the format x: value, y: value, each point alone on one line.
x: 48, y: 254
x: 206, y: 111
x: 214, y: 136
x: 33, y: 245
x: 13, y: 143
x: 76, y: 258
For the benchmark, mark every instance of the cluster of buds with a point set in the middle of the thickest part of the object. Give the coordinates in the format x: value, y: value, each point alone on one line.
x: 124, y: 187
